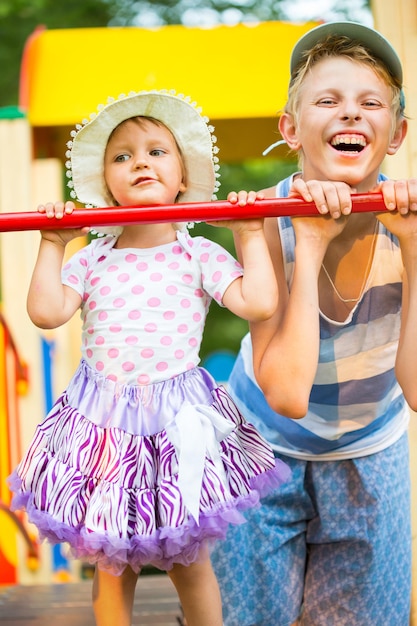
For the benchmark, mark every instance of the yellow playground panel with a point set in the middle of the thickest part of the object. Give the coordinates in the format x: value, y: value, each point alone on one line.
x: 237, y: 74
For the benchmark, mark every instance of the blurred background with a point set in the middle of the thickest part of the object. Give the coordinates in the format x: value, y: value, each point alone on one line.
x: 58, y: 61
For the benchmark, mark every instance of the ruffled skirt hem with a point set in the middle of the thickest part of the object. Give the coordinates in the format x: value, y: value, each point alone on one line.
x: 120, y: 498
x: 166, y: 547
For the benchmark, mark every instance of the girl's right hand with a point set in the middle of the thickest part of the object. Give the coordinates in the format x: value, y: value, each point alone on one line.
x: 58, y: 210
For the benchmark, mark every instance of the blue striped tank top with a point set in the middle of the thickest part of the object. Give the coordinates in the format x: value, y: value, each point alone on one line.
x: 356, y: 404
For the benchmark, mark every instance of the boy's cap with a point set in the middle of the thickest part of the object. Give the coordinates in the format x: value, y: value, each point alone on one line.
x: 370, y: 38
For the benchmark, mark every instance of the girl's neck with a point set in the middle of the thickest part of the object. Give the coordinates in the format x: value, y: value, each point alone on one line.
x: 146, y: 236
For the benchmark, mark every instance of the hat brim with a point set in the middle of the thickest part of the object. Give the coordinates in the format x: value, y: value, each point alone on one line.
x: 179, y: 115
x: 370, y: 38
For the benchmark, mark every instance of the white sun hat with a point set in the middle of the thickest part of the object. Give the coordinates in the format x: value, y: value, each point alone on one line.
x: 194, y: 135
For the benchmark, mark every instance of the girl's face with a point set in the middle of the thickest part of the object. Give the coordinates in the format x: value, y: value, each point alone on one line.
x: 344, y: 125
x: 142, y: 164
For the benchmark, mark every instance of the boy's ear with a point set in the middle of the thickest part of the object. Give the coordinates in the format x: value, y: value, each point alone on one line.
x: 288, y: 130
x: 398, y: 136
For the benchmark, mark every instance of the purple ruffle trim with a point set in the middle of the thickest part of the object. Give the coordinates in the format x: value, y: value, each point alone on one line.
x: 165, y: 547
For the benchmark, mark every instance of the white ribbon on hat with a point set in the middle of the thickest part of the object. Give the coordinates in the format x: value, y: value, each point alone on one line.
x: 195, y: 432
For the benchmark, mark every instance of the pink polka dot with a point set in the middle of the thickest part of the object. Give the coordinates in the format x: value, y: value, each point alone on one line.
x: 236, y: 274
x: 104, y: 291
x: 160, y: 257
x: 156, y: 277
x: 217, y: 296
x: 185, y: 303
x: 83, y: 262
x: 115, y: 328
x: 166, y: 341
x: 193, y: 342
x: 119, y: 302
x: 99, y: 340
x: 138, y: 289
x: 88, y: 274
x: 187, y: 256
x: 143, y: 379
x: 199, y: 293
x: 204, y: 257
x: 171, y: 290
x: 197, y: 317
x: 112, y: 268
x: 190, y: 366
x: 92, y: 305
x: 206, y: 244
x: 151, y: 327
x: 134, y: 315
x: 95, y: 280
x: 221, y: 258
x: 90, y: 330
x: 128, y: 366
x: 123, y: 278
x: 154, y: 302
x: 179, y: 354
x: 112, y: 377
x: 162, y: 366
x: 174, y: 265
x: 103, y: 315
x: 89, y: 353
x: 182, y: 328
x: 169, y: 315
x: 216, y: 277
x: 131, y: 340
x: 176, y: 249
x: 113, y: 353
x: 99, y: 366
x: 130, y: 258
x: 147, y: 353
x: 73, y: 279
x: 142, y: 266
x: 187, y: 279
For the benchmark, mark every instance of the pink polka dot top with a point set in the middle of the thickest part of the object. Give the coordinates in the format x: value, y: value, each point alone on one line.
x: 144, y: 310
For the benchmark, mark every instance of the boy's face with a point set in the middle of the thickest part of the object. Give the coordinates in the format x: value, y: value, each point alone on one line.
x: 142, y: 164
x: 345, y: 125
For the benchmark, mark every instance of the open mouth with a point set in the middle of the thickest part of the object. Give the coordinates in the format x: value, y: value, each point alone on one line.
x: 348, y: 143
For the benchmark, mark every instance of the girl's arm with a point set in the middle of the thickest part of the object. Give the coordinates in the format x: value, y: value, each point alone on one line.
x: 254, y: 296
x: 50, y: 303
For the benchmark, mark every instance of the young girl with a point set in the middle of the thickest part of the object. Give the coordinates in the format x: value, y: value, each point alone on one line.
x: 144, y: 459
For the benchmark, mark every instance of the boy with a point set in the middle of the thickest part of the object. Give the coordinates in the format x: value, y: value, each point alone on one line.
x: 332, y: 547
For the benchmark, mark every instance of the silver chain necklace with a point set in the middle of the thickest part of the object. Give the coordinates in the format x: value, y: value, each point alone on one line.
x: 365, y: 278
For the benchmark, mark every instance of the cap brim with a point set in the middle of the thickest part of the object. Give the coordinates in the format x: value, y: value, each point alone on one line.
x: 369, y: 37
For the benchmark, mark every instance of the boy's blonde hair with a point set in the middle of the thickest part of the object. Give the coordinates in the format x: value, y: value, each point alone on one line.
x: 342, y: 46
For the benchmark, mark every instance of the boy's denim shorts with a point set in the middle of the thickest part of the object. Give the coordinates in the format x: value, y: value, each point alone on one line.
x: 332, y: 547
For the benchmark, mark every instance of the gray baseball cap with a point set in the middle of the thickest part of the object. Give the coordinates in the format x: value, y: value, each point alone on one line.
x: 370, y: 38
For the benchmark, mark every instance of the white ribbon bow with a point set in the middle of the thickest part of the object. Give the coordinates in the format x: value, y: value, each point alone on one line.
x: 195, y: 432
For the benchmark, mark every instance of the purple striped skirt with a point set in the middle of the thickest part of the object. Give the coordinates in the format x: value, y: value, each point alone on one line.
x: 138, y: 475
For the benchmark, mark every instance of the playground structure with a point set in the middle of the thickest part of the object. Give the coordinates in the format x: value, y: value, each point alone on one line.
x: 223, y: 69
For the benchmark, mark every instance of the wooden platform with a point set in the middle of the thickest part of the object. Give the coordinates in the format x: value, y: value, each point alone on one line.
x: 69, y: 604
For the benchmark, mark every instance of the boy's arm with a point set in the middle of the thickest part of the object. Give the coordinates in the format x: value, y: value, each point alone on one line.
x: 286, y: 347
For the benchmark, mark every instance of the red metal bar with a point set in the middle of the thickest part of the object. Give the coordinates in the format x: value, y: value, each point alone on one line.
x: 186, y: 212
